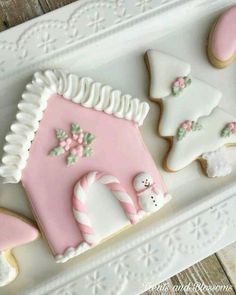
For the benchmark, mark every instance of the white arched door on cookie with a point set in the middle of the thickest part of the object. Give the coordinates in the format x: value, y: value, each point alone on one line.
x: 100, y: 217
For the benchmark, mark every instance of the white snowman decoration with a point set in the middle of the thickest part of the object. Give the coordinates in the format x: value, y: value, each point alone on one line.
x: 150, y: 198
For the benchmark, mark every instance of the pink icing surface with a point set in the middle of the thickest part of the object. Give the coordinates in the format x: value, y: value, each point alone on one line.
x: 118, y: 150
x: 223, y: 44
x: 15, y: 232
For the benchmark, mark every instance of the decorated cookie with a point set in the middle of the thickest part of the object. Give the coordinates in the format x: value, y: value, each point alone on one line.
x: 181, y: 96
x: 74, y: 163
x: 14, y: 231
x: 222, y: 40
x: 150, y: 197
x: 190, y: 118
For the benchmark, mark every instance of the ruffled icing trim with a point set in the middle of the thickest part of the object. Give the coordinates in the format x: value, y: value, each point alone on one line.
x: 83, y: 91
x: 72, y: 252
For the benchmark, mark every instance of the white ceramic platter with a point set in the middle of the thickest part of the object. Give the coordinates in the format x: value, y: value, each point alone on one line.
x: 106, y: 40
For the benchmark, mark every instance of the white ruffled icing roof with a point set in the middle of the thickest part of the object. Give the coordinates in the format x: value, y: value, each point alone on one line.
x: 83, y: 91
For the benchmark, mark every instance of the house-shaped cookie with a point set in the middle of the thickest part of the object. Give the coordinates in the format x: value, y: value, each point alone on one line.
x: 77, y: 149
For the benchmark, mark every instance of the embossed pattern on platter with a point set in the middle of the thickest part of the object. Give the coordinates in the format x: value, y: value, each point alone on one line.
x: 155, y: 257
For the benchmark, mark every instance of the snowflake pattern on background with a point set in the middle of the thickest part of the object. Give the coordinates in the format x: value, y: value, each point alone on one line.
x: 148, y: 255
x: 96, y: 22
x: 198, y: 228
x: 96, y: 283
x: 121, y: 266
x: 172, y: 236
x: 47, y: 43
x: 144, y: 5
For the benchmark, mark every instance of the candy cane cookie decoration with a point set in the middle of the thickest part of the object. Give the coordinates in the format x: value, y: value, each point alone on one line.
x: 81, y: 193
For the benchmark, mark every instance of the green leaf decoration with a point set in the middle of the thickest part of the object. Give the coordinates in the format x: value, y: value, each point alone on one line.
x: 61, y: 134
x: 71, y: 159
x: 87, y: 152
x: 225, y: 132
x: 196, y: 126
x: 75, y: 128
x: 181, y: 133
x: 88, y: 138
x: 57, y: 151
x: 176, y: 90
x: 188, y: 81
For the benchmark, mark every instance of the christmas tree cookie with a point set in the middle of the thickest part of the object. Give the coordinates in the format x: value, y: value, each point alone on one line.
x: 190, y: 116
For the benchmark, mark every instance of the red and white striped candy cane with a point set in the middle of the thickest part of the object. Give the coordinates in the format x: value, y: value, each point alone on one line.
x: 80, y: 210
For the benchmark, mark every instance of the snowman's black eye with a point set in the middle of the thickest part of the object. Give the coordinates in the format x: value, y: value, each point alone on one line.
x: 143, y: 181
x: 146, y: 179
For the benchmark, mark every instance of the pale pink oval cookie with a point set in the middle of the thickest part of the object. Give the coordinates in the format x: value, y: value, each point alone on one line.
x: 222, y: 45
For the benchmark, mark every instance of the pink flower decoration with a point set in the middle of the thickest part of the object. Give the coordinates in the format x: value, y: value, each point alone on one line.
x: 179, y: 82
x: 79, y: 137
x: 187, y: 125
x: 80, y: 150
x: 75, y: 136
x: 66, y: 144
x: 231, y: 126
x: 63, y: 143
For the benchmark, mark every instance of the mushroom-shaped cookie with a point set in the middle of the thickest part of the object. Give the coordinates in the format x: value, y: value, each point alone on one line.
x: 14, y: 231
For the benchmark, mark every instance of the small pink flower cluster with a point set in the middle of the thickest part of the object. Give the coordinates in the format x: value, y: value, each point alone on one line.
x: 180, y: 83
x: 74, y: 144
x: 232, y: 127
x: 187, y: 125
x: 66, y: 144
x: 78, y: 150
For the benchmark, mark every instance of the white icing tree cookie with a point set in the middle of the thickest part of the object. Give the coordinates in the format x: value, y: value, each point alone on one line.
x: 181, y: 96
x: 190, y: 116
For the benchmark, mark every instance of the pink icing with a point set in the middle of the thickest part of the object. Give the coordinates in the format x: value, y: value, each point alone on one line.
x: 187, y: 125
x: 118, y: 150
x: 232, y: 127
x: 15, y: 232
x: 180, y: 82
x: 223, y: 44
x: 78, y: 205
